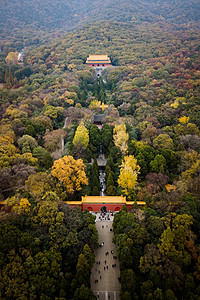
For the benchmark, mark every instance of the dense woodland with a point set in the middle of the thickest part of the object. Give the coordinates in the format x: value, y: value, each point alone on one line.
x: 31, y: 23
x: 150, y: 137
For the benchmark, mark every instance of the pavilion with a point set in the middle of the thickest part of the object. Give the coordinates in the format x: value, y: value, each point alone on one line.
x: 98, y: 119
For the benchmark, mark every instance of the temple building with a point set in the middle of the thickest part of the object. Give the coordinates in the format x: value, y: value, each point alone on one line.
x: 95, y: 203
x: 98, y: 61
x: 98, y: 120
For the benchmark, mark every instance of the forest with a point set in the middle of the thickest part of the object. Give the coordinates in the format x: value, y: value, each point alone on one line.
x: 150, y: 137
x: 31, y: 23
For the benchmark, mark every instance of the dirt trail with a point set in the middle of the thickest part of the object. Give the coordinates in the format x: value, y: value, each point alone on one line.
x: 108, y: 286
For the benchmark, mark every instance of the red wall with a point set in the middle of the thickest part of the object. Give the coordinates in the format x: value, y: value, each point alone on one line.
x: 111, y: 207
x: 75, y: 206
x: 97, y: 207
x: 98, y: 65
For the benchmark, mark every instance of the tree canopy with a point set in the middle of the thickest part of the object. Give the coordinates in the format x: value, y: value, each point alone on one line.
x: 128, y: 174
x: 70, y: 172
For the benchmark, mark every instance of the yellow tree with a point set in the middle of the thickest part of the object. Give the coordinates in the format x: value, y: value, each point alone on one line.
x: 121, y: 137
x: 38, y: 184
x: 7, y: 128
x: 81, y: 136
x: 184, y: 120
x: 128, y: 174
x: 8, y: 151
x: 71, y: 173
x: 19, y: 206
x: 95, y: 104
x: 11, y: 58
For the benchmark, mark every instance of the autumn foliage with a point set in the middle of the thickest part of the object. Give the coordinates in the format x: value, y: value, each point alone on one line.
x: 120, y: 137
x: 128, y: 174
x: 71, y: 173
x: 149, y: 140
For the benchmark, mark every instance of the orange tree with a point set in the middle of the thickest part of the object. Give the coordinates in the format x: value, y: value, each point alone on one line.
x: 71, y: 173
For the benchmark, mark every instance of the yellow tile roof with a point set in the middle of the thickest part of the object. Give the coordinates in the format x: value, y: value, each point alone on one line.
x: 104, y: 199
x: 98, y: 58
x: 3, y: 202
x: 138, y: 202
x: 73, y: 202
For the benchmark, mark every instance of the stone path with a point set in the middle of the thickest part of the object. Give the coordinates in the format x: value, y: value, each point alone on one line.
x: 107, y: 286
x: 102, y: 176
x: 62, y: 139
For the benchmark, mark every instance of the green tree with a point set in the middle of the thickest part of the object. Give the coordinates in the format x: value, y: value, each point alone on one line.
x: 88, y: 255
x: 146, y: 288
x: 110, y: 185
x: 95, y: 191
x: 95, y: 138
x: 82, y: 270
x: 44, y: 271
x: 123, y: 222
x: 106, y: 137
x: 14, y: 283
x: 46, y: 213
x: 171, y: 160
x: 29, y: 130
x: 158, y: 165
x: 169, y: 295
x: 189, y: 283
x: 27, y: 143
x: 163, y: 141
x: 39, y: 183
x: 83, y: 293
x: 125, y: 296
x: 111, y: 190
x: 128, y: 281
x: 125, y: 257
x: 158, y: 295
x: 172, y: 241
x: 43, y: 156
x: 155, y: 227
x: 142, y: 163
x: 191, y: 202
x: 95, y: 184
x: 96, y: 88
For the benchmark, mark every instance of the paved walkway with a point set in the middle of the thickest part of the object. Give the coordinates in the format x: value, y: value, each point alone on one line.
x: 62, y: 139
x: 104, y: 277
x: 102, y: 180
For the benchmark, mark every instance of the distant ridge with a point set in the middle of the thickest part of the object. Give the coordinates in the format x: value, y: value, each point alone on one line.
x: 27, y: 18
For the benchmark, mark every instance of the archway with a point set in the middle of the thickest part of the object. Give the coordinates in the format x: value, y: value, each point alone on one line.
x: 90, y: 209
x: 117, y: 208
x: 103, y: 209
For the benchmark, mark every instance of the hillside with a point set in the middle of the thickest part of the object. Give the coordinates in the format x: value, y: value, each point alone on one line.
x: 32, y: 19
x: 125, y: 43
x: 150, y: 137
